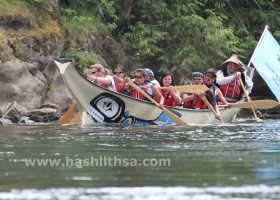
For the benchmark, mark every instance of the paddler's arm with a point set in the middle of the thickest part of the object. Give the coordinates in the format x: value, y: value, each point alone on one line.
x: 158, y: 95
x: 176, y: 95
x: 125, y: 85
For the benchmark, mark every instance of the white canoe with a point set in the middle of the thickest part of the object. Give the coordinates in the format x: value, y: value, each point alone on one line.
x: 103, y: 105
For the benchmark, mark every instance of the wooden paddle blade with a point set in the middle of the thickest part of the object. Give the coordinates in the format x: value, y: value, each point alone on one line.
x: 77, y: 118
x: 258, y: 104
x: 173, y: 117
x: 65, y: 119
x: 189, y: 88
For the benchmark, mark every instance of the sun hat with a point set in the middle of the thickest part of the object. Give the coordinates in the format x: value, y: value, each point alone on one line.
x: 211, y: 71
x: 233, y: 58
x: 242, y: 64
x: 197, y: 75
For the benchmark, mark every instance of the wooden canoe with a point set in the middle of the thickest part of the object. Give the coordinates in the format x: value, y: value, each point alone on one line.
x: 102, y: 105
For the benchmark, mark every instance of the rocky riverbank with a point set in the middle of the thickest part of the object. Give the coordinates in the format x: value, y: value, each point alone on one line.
x: 28, y: 74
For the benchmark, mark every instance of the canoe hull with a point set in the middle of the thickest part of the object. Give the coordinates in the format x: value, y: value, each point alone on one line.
x: 103, y: 105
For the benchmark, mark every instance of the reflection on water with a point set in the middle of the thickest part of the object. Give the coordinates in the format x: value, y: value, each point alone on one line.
x: 228, y: 161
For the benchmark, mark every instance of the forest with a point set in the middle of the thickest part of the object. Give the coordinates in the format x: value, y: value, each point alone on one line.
x: 188, y: 34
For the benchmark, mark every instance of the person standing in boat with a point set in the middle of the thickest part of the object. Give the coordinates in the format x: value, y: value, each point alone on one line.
x: 193, y: 101
x: 228, y: 79
x: 209, y: 81
x: 140, y: 81
x: 100, y: 76
x: 171, y: 96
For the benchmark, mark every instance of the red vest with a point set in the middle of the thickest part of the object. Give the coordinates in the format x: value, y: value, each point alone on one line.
x: 118, y: 87
x: 231, y: 90
x: 136, y: 94
x: 168, y: 98
x: 195, y: 103
x: 104, y: 86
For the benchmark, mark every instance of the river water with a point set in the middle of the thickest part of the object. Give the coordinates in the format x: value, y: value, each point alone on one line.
x: 240, y: 160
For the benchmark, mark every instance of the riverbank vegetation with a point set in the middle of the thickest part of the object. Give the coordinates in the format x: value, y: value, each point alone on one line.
x: 192, y: 35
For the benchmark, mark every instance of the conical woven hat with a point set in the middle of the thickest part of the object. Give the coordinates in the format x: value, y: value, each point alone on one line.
x: 233, y: 58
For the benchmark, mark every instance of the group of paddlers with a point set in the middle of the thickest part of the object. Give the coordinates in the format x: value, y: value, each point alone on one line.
x: 225, y: 85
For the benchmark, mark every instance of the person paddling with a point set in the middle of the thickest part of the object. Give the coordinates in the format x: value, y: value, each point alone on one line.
x: 118, y: 75
x: 171, y: 96
x: 209, y: 81
x: 194, y: 101
x: 228, y: 79
x: 99, y: 75
x: 140, y: 81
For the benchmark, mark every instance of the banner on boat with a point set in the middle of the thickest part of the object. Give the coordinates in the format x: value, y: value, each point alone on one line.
x: 266, y: 60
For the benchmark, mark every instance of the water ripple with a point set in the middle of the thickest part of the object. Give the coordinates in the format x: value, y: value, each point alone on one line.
x: 246, y: 192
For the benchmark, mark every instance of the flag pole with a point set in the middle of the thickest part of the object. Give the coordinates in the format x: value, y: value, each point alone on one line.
x: 252, y: 71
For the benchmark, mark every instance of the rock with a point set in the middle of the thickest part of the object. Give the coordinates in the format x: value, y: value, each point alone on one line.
x: 11, y: 113
x: 18, y: 84
x: 26, y: 120
x: 50, y: 105
x: 26, y: 83
x: 58, y: 93
x: 34, y: 81
x: 37, y: 118
x: 43, y: 115
x: 5, y: 121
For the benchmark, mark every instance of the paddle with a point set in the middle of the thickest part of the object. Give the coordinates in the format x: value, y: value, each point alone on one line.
x: 77, y: 118
x: 259, y: 104
x: 210, y: 106
x: 248, y: 98
x: 66, y: 118
x: 171, y: 115
x: 189, y: 88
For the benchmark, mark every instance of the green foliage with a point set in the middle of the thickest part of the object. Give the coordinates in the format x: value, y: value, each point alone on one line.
x: 106, y: 11
x: 177, y: 34
x: 196, y: 34
x: 193, y: 34
x: 39, y: 5
x: 4, y: 53
x: 19, y: 11
x: 72, y: 19
x: 19, y: 52
x: 51, y: 88
x: 82, y: 60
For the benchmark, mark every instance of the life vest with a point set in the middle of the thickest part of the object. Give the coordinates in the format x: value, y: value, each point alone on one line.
x: 231, y: 90
x: 195, y: 103
x: 168, y: 98
x: 118, y: 87
x: 136, y: 94
x: 108, y: 87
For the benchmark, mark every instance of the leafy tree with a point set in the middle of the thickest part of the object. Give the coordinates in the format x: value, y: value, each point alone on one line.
x: 185, y: 34
x: 193, y: 34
